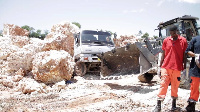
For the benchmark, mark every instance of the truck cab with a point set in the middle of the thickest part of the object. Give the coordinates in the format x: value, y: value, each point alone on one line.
x: 88, y: 44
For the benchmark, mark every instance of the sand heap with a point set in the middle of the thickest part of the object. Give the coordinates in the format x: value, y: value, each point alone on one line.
x: 47, y: 61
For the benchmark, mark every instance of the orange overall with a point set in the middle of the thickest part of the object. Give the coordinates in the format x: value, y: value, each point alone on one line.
x: 167, y: 76
x: 172, y: 65
x: 194, y: 71
x: 195, y: 82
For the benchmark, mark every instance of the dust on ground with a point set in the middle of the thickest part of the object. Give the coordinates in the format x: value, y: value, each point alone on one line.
x: 92, y: 94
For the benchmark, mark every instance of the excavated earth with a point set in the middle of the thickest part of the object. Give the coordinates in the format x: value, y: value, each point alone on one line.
x: 93, y: 94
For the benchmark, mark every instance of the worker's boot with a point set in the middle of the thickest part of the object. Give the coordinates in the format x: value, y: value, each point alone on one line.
x: 191, y: 106
x: 158, y: 106
x: 173, y: 105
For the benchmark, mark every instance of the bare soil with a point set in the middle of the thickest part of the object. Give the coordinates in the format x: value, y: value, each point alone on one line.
x: 92, y: 94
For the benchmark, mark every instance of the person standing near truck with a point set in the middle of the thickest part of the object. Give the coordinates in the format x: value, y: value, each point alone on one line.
x: 172, y: 61
x: 193, y: 50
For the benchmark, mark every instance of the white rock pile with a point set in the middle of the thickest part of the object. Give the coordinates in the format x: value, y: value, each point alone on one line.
x: 124, y: 40
x: 45, y: 61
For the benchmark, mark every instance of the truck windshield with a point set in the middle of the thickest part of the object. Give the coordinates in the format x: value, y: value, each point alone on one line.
x: 188, y: 29
x: 96, y: 36
x: 165, y: 31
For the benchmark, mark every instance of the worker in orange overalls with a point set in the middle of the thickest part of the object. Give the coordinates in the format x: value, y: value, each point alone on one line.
x: 193, y: 50
x: 172, y: 61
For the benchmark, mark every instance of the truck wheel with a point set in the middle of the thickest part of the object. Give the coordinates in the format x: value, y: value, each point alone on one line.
x: 80, y: 69
x: 146, y: 78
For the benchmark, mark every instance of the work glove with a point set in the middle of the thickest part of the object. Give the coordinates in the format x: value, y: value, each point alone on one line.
x: 159, y: 72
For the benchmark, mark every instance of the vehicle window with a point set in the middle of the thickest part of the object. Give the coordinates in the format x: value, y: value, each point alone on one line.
x: 167, y: 32
x: 93, y: 36
x: 189, y: 33
x: 164, y: 33
x: 188, y: 30
x: 88, y: 37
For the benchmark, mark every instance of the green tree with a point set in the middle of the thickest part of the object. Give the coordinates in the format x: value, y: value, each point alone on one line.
x: 155, y: 37
x: 39, y: 32
x: 46, y: 32
x: 42, y: 36
x: 77, y: 24
x: 35, y: 34
x: 30, y: 29
x: 145, y: 35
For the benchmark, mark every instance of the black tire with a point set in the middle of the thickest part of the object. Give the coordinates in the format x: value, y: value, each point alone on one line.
x: 146, y: 78
x: 80, y: 69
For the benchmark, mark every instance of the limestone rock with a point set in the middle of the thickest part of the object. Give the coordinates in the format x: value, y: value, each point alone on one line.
x: 20, y: 72
x: 21, y: 59
x: 124, y: 40
x: 52, y: 66
x: 28, y: 85
x: 49, y: 60
x: 61, y: 37
x: 14, y: 30
x: 19, y: 41
x: 6, y: 48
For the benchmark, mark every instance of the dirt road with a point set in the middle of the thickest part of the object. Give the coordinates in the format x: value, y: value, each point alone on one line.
x: 91, y: 94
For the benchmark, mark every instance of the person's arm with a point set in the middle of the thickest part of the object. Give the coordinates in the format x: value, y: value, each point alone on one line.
x: 162, y: 58
x: 160, y: 64
x: 190, y: 53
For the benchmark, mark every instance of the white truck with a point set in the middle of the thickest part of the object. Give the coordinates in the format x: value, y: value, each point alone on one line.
x: 88, y: 45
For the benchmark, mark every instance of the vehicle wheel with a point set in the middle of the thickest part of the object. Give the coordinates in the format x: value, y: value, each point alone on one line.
x: 147, y: 77
x: 80, y: 69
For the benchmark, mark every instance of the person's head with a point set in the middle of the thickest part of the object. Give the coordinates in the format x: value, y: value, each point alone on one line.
x: 173, y: 31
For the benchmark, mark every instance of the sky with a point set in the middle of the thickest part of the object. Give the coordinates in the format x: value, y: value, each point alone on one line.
x: 125, y: 17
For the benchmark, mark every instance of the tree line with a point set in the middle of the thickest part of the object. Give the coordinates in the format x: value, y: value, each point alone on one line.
x: 37, y: 33
x: 33, y: 33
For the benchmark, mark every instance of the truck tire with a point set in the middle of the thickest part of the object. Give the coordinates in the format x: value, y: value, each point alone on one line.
x: 146, y: 78
x: 80, y: 69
